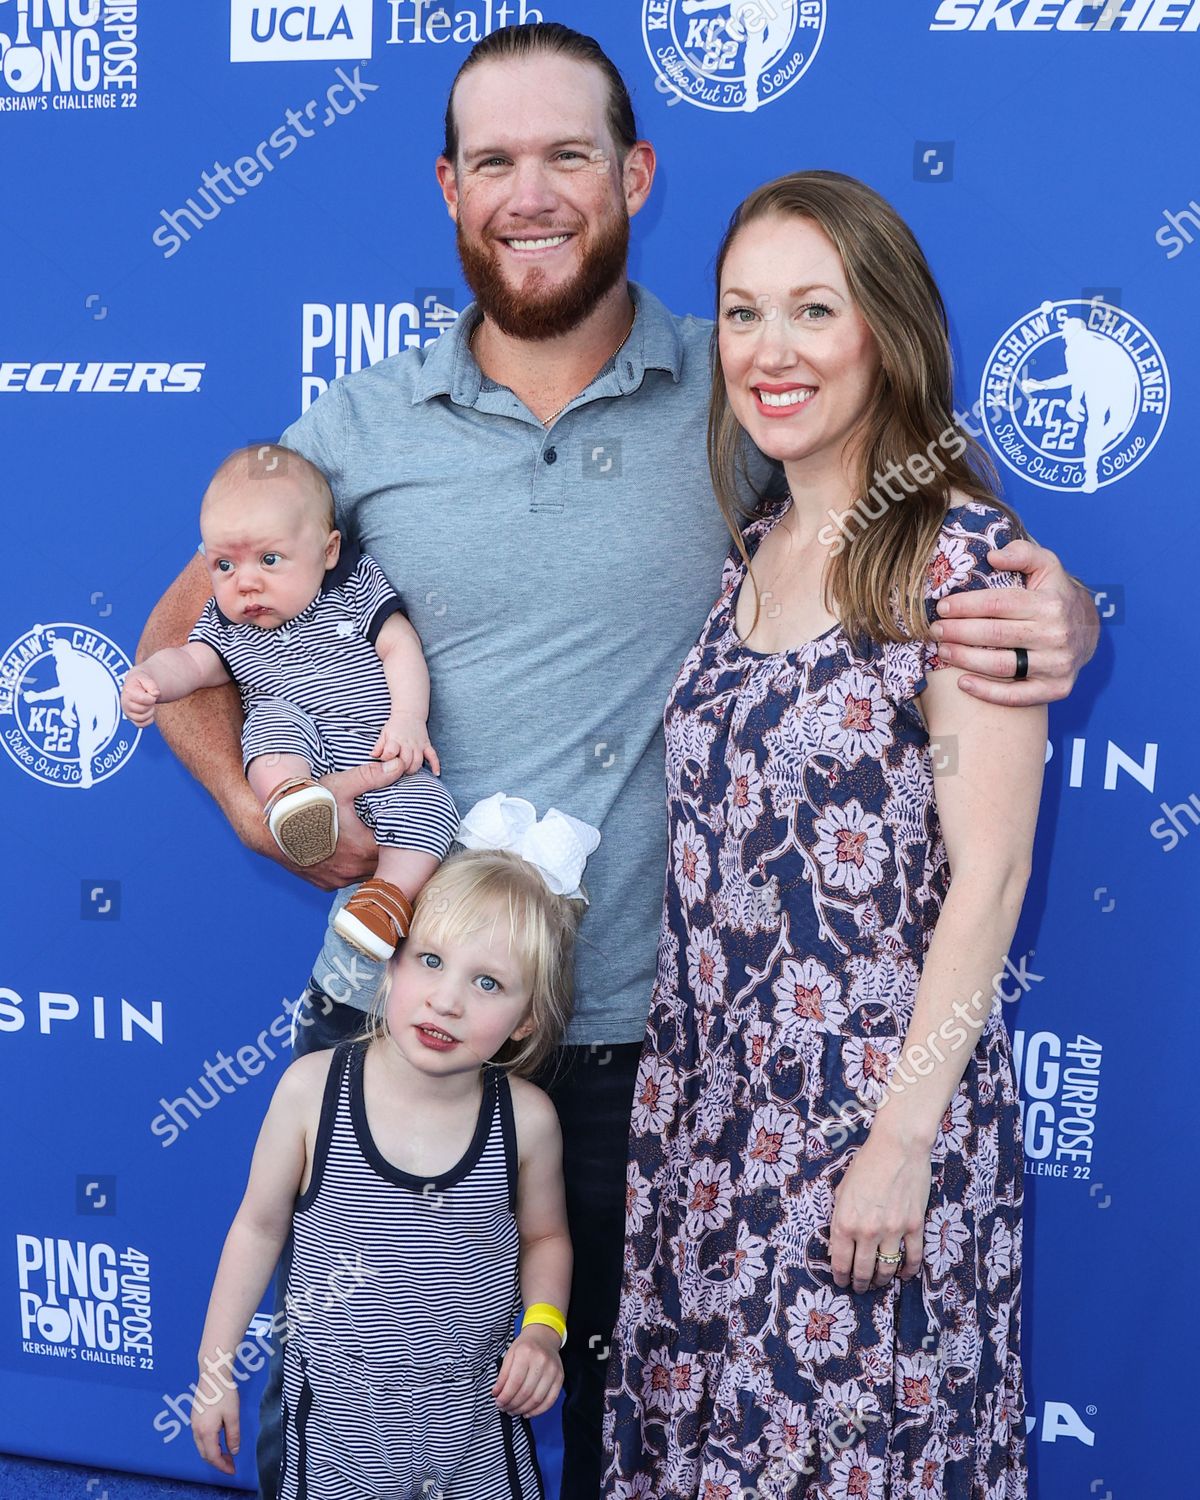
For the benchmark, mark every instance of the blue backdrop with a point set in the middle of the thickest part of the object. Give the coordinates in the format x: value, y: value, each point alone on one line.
x: 153, y: 319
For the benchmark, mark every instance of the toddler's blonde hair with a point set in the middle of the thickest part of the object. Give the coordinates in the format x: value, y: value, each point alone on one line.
x: 474, y: 888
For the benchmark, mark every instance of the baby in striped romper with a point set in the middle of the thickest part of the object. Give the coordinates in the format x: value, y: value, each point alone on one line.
x: 331, y: 674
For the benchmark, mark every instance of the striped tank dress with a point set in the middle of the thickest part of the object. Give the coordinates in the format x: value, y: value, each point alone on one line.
x: 401, y: 1298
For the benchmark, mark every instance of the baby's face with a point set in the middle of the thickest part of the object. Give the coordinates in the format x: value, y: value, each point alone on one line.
x: 266, y: 551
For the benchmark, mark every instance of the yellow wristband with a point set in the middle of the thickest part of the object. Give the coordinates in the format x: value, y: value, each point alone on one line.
x: 543, y: 1312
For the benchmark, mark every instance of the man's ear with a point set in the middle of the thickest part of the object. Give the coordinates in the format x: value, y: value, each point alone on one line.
x: 448, y: 183
x: 637, y: 175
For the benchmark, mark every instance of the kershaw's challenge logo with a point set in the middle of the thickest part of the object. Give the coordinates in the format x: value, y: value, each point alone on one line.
x: 1075, y: 395
x: 731, y: 54
x: 60, y: 705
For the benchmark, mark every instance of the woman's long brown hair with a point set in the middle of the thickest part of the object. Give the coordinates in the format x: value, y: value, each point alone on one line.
x: 875, y: 577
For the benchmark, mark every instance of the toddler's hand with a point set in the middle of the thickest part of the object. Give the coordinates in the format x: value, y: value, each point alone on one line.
x: 406, y: 738
x: 531, y: 1374
x: 138, y: 697
x: 207, y: 1422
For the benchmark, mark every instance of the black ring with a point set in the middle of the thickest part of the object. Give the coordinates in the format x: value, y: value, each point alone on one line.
x: 1022, y: 664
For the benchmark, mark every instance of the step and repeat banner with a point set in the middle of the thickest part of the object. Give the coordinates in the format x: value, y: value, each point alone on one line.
x: 210, y: 212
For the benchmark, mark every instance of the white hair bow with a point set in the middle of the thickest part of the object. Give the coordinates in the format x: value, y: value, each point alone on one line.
x: 557, y: 845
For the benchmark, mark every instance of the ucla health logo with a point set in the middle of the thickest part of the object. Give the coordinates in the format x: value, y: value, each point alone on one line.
x: 1075, y: 395
x: 60, y: 705
x: 261, y: 32
x: 731, y: 54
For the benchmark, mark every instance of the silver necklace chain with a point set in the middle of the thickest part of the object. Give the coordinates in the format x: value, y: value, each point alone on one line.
x: 548, y: 421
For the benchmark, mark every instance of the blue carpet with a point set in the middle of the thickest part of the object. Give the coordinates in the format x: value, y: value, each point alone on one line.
x: 31, y: 1479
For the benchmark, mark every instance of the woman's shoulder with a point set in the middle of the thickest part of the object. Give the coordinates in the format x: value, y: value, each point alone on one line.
x: 967, y: 517
x: 970, y: 529
x: 765, y: 514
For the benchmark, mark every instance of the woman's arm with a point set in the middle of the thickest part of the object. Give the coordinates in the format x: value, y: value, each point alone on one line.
x: 251, y: 1253
x: 531, y: 1374
x: 988, y: 808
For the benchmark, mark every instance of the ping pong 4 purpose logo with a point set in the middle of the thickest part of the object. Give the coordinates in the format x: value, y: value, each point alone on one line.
x: 68, y: 54
x: 1075, y: 395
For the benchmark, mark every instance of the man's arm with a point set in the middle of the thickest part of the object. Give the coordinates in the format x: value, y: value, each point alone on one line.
x: 1054, y: 618
x: 205, y: 733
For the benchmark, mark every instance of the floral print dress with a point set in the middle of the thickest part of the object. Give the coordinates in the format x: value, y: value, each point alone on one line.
x: 805, y: 875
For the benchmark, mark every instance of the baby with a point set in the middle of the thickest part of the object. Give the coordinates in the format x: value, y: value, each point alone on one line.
x: 331, y: 674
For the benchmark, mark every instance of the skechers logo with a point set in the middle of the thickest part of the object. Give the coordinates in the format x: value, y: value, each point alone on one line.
x: 110, y: 378
x: 1067, y: 15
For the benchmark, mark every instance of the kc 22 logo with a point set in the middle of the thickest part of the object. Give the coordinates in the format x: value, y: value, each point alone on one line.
x: 731, y: 54
x: 1075, y: 395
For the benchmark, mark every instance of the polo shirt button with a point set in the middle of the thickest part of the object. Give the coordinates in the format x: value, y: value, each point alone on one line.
x: 550, y: 455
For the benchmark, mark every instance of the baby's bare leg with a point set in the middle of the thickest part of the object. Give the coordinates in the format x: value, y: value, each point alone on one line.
x: 302, y: 819
x: 407, y: 868
x: 265, y: 772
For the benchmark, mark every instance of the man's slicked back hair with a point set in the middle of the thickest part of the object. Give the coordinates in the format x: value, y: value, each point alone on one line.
x: 550, y: 39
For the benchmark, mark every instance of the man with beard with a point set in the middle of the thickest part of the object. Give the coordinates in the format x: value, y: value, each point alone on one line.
x: 535, y: 487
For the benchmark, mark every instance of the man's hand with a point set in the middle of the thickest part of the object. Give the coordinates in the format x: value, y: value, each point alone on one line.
x: 356, y: 854
x: 1054, y: 618
x: 406, y: 737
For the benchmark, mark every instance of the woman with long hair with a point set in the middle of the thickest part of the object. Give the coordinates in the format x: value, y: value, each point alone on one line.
x: 822, y: 1273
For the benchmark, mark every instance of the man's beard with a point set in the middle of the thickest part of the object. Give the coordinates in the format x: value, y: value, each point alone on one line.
x: 526, y: 315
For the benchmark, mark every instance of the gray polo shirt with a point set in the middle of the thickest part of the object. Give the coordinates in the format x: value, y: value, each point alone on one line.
x: 557, y: 578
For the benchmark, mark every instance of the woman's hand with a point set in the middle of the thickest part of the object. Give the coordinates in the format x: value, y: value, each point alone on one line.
x: 881, y: 1200
x: 531, y: 1373
x: 207, y: 1422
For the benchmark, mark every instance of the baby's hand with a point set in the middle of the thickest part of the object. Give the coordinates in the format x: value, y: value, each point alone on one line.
x: 406, y: 738
x: 207, y: 1422
x: 531, y: 1374
x: 138, y: 697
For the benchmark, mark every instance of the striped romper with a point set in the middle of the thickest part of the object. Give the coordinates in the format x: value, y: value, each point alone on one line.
x: 315, y: 687
x: 402, y: 1295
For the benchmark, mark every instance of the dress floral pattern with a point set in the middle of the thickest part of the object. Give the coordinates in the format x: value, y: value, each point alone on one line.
x: 805, y: 875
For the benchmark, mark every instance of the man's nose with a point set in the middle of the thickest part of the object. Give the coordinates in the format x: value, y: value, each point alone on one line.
x: 533, y: 191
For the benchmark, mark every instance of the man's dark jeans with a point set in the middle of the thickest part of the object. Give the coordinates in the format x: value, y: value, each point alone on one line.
x: 592, y: 1090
